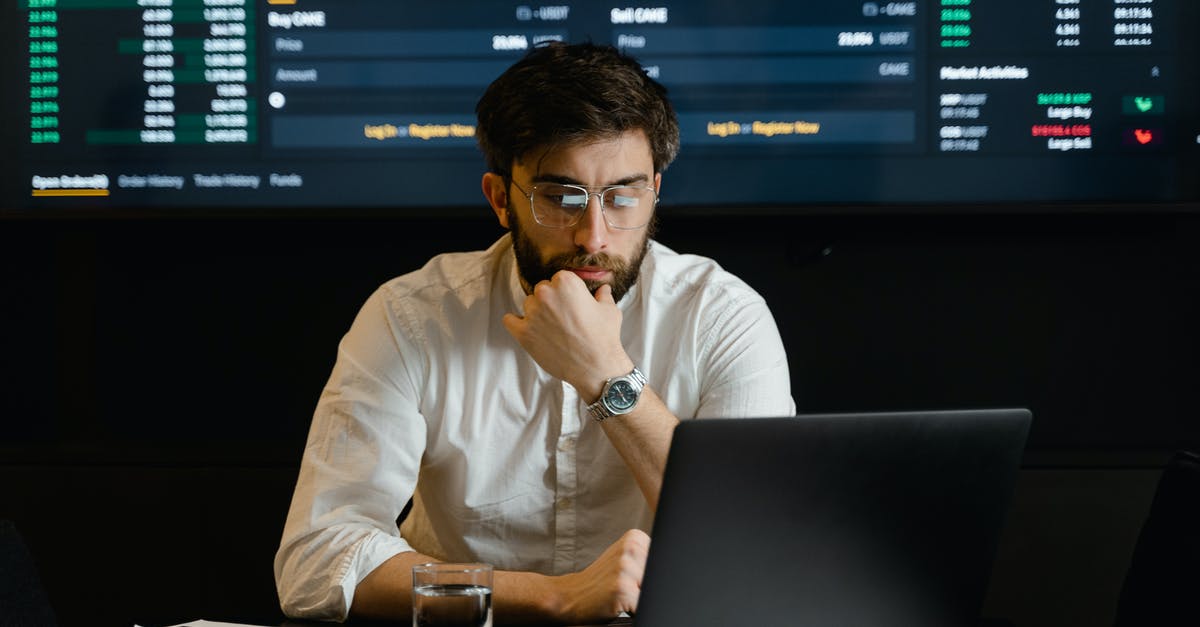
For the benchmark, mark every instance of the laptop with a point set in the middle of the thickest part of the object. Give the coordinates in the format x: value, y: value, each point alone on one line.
x: 835, y: 519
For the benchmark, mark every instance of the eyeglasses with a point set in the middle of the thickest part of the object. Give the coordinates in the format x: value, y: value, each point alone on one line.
x: 559, y: 206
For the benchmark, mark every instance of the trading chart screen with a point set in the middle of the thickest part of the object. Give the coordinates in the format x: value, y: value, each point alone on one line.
x: 279, y: 104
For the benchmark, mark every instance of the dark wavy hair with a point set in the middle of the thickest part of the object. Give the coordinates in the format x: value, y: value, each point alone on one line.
x: 560, y: 94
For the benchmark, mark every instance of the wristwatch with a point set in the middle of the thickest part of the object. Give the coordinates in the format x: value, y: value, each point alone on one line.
x: 620, y: 396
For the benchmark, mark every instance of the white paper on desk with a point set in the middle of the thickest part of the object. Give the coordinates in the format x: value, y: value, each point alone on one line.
x: 210, y: 623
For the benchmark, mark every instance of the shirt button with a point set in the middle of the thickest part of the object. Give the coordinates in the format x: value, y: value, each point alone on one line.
x: 564, y: 502
x: 566, y: 444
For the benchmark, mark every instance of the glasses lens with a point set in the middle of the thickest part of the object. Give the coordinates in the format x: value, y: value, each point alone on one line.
x: 558, y: 205
x: 628, y: 207
x: 561, y: 205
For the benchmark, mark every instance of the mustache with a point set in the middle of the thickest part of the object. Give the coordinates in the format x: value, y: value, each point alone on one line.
x: 579, y: 260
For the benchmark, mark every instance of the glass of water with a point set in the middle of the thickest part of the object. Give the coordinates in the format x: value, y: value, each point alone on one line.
x: 452, y: 595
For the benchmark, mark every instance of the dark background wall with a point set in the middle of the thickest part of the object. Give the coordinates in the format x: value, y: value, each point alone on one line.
x: 158, y: 377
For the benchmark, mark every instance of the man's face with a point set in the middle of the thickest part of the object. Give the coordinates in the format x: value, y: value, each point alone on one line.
x: 593, y: 250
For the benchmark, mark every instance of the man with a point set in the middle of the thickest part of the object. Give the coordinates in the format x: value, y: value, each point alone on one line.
x: 524, y: 396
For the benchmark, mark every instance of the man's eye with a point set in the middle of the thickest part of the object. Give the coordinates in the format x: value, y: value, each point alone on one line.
x: 624, y: 202
x: 572, y: 200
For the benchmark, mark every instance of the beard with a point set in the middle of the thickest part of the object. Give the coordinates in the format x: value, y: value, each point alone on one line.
x: 624, y: 274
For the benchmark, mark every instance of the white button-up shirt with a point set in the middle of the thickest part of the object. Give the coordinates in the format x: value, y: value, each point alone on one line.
x: 432, y: 399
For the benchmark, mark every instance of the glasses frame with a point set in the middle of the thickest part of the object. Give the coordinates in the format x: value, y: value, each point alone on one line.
x: 588, y: 193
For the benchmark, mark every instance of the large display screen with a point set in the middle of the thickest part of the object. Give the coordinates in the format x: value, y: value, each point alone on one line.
x: 784, y: 105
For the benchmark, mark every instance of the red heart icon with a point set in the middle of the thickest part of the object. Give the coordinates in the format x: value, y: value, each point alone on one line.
x: 1143, y: 136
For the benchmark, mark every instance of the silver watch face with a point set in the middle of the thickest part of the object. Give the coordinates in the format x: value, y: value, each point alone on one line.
x: 621, y: 396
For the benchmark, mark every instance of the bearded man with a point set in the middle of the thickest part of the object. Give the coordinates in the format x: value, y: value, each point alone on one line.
x: 524, y: 396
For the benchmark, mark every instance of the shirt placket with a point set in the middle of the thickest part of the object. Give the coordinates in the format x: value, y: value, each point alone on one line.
x: 566, y: 483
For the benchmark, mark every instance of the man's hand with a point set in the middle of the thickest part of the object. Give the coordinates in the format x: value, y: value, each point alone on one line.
x: 576, y: 336
x: 610, y: 585
x: 572, y: 334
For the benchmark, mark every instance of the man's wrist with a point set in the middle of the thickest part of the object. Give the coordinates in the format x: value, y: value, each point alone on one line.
x: 527, y: 597
x: 620, y: 395
x: 558, y: 598
x: 591, y: 389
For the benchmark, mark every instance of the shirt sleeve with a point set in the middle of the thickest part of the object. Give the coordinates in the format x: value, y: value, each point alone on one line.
x: 359, y: 467
x: 743, y: 366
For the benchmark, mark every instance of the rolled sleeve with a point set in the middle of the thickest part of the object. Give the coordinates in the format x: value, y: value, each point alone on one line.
x: 359, y: 469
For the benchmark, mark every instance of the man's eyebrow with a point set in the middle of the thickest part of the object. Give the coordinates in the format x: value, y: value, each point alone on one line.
x: 567, y: 180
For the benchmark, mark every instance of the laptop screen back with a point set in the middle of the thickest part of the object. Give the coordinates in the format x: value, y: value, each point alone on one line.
x: 851, y: 519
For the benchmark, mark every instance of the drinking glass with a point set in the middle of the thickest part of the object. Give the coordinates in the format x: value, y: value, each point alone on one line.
x: 452, y: 595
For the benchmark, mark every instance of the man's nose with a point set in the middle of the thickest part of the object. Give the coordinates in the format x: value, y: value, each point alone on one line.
x: 591, y: 233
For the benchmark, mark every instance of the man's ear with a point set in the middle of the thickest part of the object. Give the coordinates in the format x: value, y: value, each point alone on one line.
x: 496, y: 192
